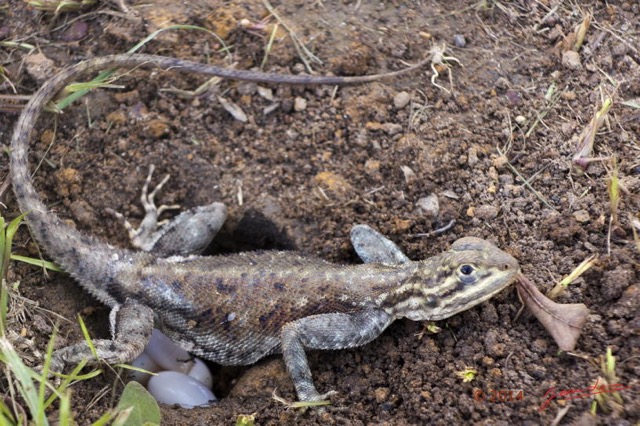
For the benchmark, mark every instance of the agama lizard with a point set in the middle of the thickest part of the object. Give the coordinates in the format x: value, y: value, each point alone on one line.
x: 238, y: 308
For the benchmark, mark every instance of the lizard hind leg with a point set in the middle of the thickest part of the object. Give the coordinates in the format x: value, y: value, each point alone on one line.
x: 131, y: 329
x: 326, y: 331
x: 188, y: 233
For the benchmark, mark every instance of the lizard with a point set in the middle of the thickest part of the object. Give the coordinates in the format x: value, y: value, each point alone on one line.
x: 238, y: 308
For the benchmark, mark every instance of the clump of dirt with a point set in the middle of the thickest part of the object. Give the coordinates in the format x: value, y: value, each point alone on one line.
x: 492, y: 141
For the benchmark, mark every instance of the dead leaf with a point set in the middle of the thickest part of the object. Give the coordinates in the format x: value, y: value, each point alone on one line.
x: 564, y: 322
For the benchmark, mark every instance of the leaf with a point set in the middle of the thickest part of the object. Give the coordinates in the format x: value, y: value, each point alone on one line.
x: 143, y: 407
x: 564, y: 322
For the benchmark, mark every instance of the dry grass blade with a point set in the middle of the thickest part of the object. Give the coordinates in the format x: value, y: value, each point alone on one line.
x: 574, y: 40
x: 58, y: 6
x: 564, y: 322
x: 613, y: 187
x: 12, y: 103
x: 583, y: 267
x: 582, y: 157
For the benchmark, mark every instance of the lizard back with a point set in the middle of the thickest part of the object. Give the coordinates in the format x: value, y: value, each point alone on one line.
x: 236, y: 305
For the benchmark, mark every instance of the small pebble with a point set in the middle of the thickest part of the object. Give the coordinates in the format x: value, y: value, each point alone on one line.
x: 401, y: 100
x: 429, y: 205
x: 266, y: 93
x: 619, y: 49
x: 382, y: 394
x: 571, y: 60
x: 520, y: 119
x: 299, y: 104
x: 581, y: 216
x: 459, y: 40
x: 171, y: 387
x: 39, y: 66
x: 486, y: 212
x: 247, y: 88
x: 409, y: 175
x: 472, y: 156
x: 502, y: 83
x: 513, y: 97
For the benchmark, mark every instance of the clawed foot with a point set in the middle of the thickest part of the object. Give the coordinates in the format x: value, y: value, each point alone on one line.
x: 145, y: 237
x: 317, y: 400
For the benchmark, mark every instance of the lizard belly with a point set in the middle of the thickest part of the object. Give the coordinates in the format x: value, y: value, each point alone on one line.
x: 223, y: 345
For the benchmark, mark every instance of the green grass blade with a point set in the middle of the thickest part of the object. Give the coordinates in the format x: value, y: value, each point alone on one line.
x: 37, y: 262
x: 24, y: 376
x: 65, y: 419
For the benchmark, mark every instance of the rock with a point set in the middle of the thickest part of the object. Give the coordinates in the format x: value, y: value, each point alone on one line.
x: 571, y: 60
x: 429, y: 205
x: 409, y: 175
x: 299, y: 104
x: 486, y: 212
x: 39, y: 67
x: 401, y: 100
x: 459, y: 40
x: 472, y: 156
x: 581, y: 216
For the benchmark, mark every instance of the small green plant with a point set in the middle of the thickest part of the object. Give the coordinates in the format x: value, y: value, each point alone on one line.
x: 607, y: 396
x: 468, y: 374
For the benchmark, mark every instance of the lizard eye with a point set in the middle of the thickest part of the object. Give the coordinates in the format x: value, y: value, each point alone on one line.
x: 466, y: 269
x: 467, y: 274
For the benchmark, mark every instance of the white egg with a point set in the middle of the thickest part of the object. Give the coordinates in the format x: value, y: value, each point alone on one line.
x: 201, y: 373
x: 171, y: 387
x: 145, y: 362
x: 167, y: 354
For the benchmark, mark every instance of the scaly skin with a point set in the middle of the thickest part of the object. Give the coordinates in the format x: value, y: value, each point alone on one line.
x: 236, y: 309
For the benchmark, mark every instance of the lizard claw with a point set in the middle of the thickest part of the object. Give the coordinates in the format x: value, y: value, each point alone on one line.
x: 144, y: 237
x: 317, y: 400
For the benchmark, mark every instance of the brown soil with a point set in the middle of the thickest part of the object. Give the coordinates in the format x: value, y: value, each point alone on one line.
x: 353, y: 157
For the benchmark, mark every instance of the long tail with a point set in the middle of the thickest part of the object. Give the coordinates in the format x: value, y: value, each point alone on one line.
x: 96, y: 264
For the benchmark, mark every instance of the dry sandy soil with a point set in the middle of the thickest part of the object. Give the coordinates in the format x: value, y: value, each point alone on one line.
x: 362, y: 155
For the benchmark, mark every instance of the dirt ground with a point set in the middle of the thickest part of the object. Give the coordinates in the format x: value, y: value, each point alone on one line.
x: 300, y: 174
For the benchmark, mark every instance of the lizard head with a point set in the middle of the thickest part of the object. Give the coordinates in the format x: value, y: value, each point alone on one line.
x: 472, y: 271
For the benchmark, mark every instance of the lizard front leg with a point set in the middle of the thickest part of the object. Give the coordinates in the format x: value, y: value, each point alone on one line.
x: 326, y: 331
x: 373, y: 247
x: 131, y: 325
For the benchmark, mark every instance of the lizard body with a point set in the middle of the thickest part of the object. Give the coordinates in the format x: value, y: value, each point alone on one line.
x: 236, y: 309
